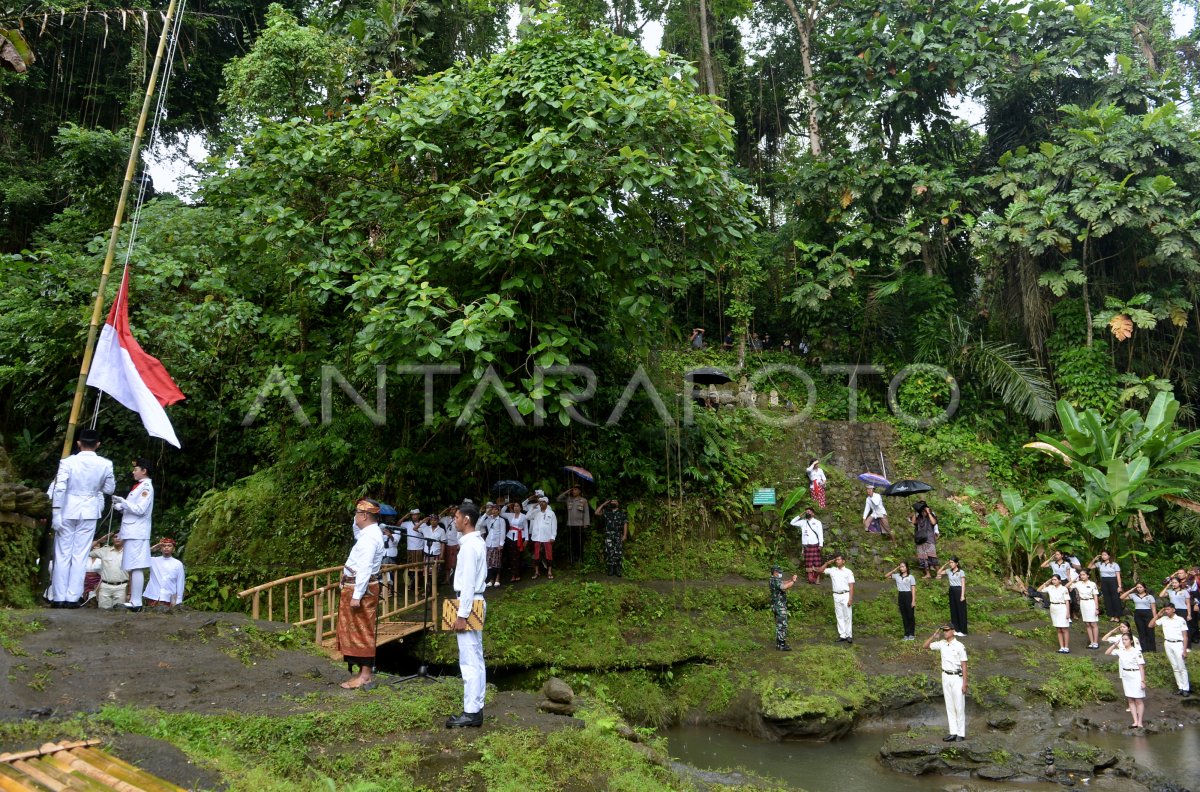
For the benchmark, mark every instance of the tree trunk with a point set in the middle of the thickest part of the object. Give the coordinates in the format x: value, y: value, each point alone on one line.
x: 804, y: 27
x: 706, y: 64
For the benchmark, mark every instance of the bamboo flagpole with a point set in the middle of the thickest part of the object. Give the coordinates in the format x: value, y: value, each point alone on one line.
x: 130, y: 170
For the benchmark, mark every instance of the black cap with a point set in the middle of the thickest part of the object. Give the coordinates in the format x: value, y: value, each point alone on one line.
x: 89, y: 436
x: 145, y: 464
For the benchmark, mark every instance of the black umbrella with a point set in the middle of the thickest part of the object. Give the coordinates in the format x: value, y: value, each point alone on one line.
x: 906, y: 487
x: 708, y: 376
x: 513, y: 489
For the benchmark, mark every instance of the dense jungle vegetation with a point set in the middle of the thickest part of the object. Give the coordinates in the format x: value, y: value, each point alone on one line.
x: 1005, y: 191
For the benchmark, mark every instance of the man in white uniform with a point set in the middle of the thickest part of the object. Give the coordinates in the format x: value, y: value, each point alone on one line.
x: 954, y: 680
x: 469, y: 583
x: 1175, y: 638
x: 842, y: 581
x: 136, y: 513
x: 166, y: 577
x: 111, y: 591
x: 77, y: 496
x: 543, y: 531
x: 873, y: 509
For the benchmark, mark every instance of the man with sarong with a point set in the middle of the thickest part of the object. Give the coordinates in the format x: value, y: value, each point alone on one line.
x: 358, y: 608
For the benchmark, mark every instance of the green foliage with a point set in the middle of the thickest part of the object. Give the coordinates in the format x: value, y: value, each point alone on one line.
x: 833, y: 683
x: 1074, y: 682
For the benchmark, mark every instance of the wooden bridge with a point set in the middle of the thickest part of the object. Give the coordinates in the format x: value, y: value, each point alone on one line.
x: 408, y: 602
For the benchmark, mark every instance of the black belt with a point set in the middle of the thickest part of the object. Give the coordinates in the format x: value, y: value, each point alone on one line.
x: 352, y: 579
x: 1086, y: 599
x: 113, y: 582
x: 952, y: 673
x: 1173, y: 640
x: 1130, y: 669
x: 847, y: 591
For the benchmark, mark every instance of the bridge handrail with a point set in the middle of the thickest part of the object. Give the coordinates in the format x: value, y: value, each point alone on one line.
x: 288, y: 579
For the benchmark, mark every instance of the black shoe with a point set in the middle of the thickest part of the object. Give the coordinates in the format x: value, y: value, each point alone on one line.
x: 784, y: 648
x: 132, y: 608
x: 1185, y: 693
x: 839, y: 640
x: 465, y: 719
x: 849, y: 640
x: 960, y: 738
x: 949, y: 738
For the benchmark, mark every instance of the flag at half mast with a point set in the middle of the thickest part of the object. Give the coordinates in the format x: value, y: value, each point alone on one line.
x: 123, y: 370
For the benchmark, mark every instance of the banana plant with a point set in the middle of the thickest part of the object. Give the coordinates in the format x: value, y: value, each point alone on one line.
x: 15, y: 52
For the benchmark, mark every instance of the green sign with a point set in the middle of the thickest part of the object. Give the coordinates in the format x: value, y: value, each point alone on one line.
x: 764, y: 496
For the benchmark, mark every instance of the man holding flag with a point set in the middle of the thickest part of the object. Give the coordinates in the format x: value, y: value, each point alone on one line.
x: 77, y: 496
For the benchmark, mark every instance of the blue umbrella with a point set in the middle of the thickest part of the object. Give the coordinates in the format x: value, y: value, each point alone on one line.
x: 874, y: 479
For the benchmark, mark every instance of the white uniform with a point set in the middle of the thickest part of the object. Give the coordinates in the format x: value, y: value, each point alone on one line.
x: 1089, y: 594
x: 433, y: 535
x: 365, y: 559
x: 954, y: 654
x: 77, y: 495
x: 873, y: 507
x: 136, y: 514
x: 470, y: 578
x: 166, y: 580
x: 841, y: 579
x: 1131, y: 661
x: 543, y: 525
x: 1060, y: 600
x: 495, y: 526
x: 1175, y: 638
x: 811, y: 530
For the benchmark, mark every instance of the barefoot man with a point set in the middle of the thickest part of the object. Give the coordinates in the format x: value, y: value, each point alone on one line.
x: 360, y: 595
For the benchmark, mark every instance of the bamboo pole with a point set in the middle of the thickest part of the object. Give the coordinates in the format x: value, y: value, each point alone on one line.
x: 130, y: 169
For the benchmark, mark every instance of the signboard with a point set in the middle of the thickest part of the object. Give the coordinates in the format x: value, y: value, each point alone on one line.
x: 764, y: 496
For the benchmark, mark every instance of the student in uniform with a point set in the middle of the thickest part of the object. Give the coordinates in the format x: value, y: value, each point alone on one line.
x: 495, y: 526
x: 469, y: 584
x: 1061, y: 566
x: 514, y: 540
x: 954, y: 680
x: 1133, y: 675
x: 77, y: 495
x: 956, y: 577
x: 1088, y: 595
x: 137, y: 515
x: 1060, y: 611
x: 453, y: 538
x: 906, y: 598
x: 1144, y: 610
x: 1110, y: 585
x: 1113, y: 636
x: 1175, y: 644
x: 841, y: 580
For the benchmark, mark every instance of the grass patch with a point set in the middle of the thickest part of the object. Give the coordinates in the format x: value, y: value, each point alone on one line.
x: 1075, y: 681
x: 248, y: 643
x: 832, y: 683
x: 14, y: 626
x: 989, y: 691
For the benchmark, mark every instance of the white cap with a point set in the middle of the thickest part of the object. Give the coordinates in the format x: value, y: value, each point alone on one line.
x: 539, y: 493
x: 414, y: 511
x: 543, y: 500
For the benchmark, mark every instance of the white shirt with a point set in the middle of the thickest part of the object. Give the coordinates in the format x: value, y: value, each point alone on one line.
x: 452, y: 535
x: 840, y: 578
x: 516, y: 526
x: 434, y: 536
x: 954, y: 654
x: 365, y: 558
x: 136, y: 511
x: 873, y: 507
x: 166, y: 580
x: 414, y: 541
x: 545, y: 525
x: 1087, y: 590
x: 471, y: 573
x: 79, y: 488
x: 1130, y: 658
x: 1058, y: 595
x: 495, y: 527
x: 811, y: 530
x: 816, y: 474
x: 1173, y: 628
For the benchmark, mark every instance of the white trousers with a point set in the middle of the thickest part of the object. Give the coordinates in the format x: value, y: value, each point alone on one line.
x: 844, y: 614
x: 1174, y: 652
x: 72, y: 541
x: 470, y: 665
x: 110, y: 595
x: 956, y: 704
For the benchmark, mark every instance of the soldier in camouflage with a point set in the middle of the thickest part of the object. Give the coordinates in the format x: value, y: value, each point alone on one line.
x: 779, y: 588
x: 616, y: 531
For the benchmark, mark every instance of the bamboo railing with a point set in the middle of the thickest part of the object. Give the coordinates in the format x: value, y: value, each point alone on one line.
x: 407, y: 587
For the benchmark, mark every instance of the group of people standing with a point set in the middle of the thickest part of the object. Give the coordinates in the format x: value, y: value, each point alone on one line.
x: 118, y: 569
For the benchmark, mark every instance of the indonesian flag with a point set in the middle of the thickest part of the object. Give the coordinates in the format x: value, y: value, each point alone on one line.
x: 123, y: 370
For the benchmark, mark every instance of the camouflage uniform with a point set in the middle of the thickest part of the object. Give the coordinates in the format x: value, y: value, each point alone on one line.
x: 614, y: 539
x: 779, y: 608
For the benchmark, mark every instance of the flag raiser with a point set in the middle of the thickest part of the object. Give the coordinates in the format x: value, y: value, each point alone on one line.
x: 123, y: 370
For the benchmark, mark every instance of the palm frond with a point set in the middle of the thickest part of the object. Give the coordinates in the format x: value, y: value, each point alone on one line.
x: 1020, y: 381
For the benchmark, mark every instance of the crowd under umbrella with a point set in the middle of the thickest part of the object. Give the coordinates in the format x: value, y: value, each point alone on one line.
x: 906, y: 487
x: 874, y: 479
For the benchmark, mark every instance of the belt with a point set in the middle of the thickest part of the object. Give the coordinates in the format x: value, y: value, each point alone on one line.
x: 847, y: 591
x: 1130, y: 669
x: 1086, y: 599
x: 952, y: 673
x: 351, y: 578
x: 113, y: 582
x: 1173, y: 640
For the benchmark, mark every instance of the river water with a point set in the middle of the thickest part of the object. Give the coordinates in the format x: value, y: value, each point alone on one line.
x: 852, y: 764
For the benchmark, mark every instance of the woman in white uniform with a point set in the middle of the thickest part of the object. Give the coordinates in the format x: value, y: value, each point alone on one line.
x: 1089, y: 610
x: 1060, y: 607
x: 1133, y: 675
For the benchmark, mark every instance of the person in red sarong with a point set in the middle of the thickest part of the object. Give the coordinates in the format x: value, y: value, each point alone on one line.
x: 359, y: 603
x: 817, y: 480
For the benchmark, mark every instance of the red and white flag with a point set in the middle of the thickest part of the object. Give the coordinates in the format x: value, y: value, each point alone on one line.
x: 123, y: 370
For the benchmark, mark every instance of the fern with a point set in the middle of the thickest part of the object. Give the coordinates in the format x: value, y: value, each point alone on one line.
x: 1020, y: 381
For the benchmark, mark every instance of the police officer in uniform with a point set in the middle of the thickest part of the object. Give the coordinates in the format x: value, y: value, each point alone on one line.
x: 779, y: 588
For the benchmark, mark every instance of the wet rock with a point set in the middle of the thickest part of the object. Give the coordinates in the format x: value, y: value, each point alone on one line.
x: 1001, y: 723
x: 557, y: 690
x: 626, y: 733
x: 557, y: 708
x: 995, y: 773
